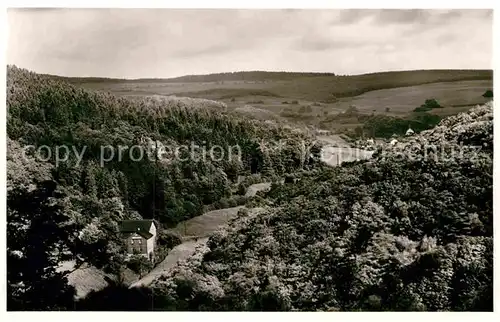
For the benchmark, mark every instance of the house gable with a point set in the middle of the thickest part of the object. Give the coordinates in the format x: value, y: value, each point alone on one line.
x: 140, y: 236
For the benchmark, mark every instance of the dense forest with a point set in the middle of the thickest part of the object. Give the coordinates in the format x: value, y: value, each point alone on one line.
x: 69, y: 208
x: 410, y: 229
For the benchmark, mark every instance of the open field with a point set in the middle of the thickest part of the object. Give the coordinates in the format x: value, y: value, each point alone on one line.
x: 311, y: 87
x: 204, y: 225
x: 317, y: 99
x: 404, y: 99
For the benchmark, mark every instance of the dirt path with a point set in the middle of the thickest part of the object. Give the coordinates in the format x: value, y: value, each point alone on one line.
x: 253, y: 189
x: 178, y: 253
x: 204, y: 225
x: 195, y: 232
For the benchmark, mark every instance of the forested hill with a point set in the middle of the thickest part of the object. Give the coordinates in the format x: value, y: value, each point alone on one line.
x: 250, y: 76
x: 69, y: 207
x: 247, y: 76
x: 411, y: 229
x: 394, y: 78
x: 313, y: 87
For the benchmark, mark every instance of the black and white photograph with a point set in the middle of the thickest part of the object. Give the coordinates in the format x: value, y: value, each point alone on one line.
x: 283, y: 160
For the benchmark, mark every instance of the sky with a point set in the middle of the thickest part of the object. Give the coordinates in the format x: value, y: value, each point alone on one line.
x: 151, y: 43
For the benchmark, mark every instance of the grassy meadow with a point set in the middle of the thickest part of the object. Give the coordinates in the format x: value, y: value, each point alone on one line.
x: 317, y: 100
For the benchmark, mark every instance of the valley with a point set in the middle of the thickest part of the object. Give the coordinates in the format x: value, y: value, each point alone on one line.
x: 265, y: 231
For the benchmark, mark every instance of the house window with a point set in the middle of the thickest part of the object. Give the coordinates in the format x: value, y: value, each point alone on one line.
x: 140, y: 241
x: 132, y: 242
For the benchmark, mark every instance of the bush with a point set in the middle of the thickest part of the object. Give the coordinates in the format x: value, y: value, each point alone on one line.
x: 488, y: 94
x: 169, y: 239
x: 305, y: 109
x: 139, y: 264
x: 431, y: 103
x: 222, y: 204
x: 242, y: 188
x: 422, y: 109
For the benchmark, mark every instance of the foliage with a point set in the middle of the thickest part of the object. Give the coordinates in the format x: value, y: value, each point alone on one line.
x: 488, y: 94
x: 41, y: 111
x: 38, y: 238
x: 432, y: 103
x: 93, y: 196
x: 385, y: 126
x: 169, y: 239
x: 399, y: 232
x: 428, y: 105
x: 139, y: 264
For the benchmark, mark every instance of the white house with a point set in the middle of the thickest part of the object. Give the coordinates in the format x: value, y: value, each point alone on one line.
x: 139, y: 236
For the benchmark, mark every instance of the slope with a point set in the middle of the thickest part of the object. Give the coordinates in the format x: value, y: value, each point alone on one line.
x: 410, y: 229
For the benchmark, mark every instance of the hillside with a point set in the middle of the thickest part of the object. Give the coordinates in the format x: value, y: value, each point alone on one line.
x: 253, y: 76
x: 320, y: 87
x: 317, y: 99
x: 410, y: 229
x: 69, y: 185
x: 323, y: 88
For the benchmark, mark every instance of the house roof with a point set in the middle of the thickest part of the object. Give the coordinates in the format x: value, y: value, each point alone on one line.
x: 142, y: 233
x: 141, y: 227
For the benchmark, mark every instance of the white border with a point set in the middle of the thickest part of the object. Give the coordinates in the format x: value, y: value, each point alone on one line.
x: 365, y: 4
x: 217, y: 317
x: 362, y: 4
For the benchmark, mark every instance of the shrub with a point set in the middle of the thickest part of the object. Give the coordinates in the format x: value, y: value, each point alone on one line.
x: 169, y: 239
x: 422, y: 109
x: 431, y: 103
x: 139, y: 264
x: 242, y: 188
x: 488, y: 94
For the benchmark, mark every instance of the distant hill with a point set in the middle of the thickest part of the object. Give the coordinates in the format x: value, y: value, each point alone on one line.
x: 250, y: 76
x: 323, y: 87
